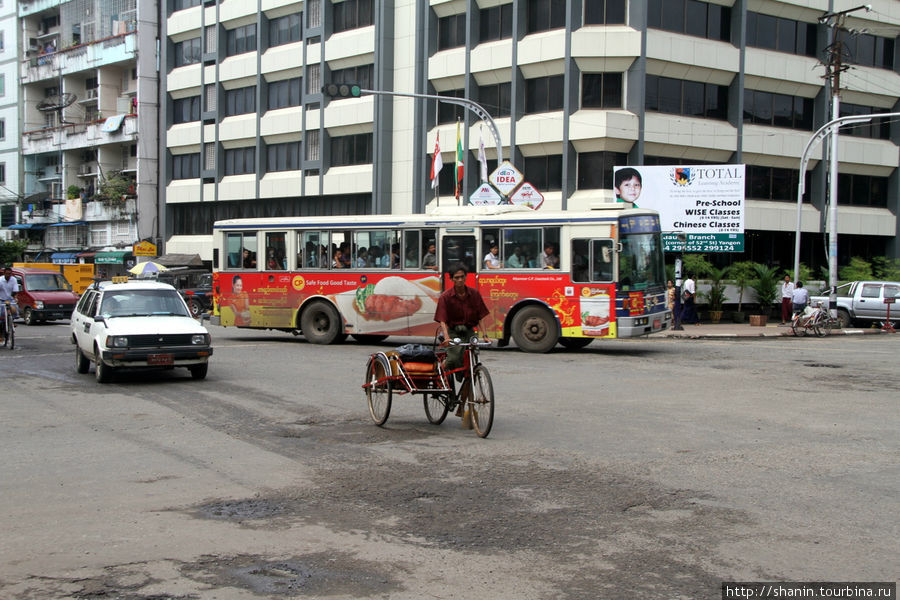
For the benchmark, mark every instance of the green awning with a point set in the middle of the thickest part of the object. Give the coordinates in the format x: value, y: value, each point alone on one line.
x: 111, y: 258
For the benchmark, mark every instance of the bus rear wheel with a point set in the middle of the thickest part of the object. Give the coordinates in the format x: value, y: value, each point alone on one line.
x: 534, y: 330
x: 321, y: 323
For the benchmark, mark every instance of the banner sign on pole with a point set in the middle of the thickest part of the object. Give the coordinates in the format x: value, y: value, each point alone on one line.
x: 506, y: 178
x: 485, y: 195
x: 704, y: 202
x: 527, y: 195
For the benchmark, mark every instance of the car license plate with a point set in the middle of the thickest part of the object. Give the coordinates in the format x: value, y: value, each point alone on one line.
x: 657, y: 323
x: 160, y: 359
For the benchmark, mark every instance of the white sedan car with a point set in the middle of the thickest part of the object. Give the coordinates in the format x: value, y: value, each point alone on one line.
x: 137, y: 324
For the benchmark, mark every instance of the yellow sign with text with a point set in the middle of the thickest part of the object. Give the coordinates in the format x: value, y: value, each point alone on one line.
x: 144, y: 248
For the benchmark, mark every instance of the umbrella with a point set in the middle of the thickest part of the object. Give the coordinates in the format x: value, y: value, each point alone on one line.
x: 148, y: 268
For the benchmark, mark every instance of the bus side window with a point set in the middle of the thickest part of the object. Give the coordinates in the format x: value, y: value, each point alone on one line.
x: 412, y: 259
x: 602, y: 269
x: 581, y: 254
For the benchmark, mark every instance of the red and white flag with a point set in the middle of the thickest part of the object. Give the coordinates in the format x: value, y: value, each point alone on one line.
x: 482, y: 158
x: 436, y: 163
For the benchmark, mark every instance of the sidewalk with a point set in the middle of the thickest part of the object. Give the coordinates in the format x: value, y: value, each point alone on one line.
x: 745, y: 330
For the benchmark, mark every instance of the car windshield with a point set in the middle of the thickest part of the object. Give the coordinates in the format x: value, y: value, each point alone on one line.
x: 142, y: 303
x: 51, y: 282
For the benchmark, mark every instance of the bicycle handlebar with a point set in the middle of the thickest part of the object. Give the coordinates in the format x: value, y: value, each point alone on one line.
x: 473, y: 342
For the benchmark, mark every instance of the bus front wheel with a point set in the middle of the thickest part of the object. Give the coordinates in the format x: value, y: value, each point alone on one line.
x: 534, y: 329
x: 321, y: 323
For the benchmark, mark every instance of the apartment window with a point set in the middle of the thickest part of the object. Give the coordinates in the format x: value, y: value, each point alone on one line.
x: 284, y: 93
x: 778, y: 110
x: 313, y: 145
x: 878, y: 128
x: 689, y: 98
x: 691, y: 17
x: 544, y: 94
x: 544, y: 172
x: 240, y: 101
x: 240, y: 40
x: 284, y: 30
x: 239, y: 161
x: 209, y: 150
x: 868, y: 50
x: 449, y: 113
x: 187, y: 52
x: 546, y: 14
x: 283, y: 157
x: 2, y: 84
x: 771, y: 183
x: 601, y: 90
x: 211, y: 97
x: 784, y: 35
x: 495, y: 23
x: 452, y: 31
x: 351, y: 150
x: 2, y: 42
x: 2, y: 129
x: 313, y: 79
x: 186, y: 110
x: 595, y: 169
x: 362, y: 75
x: 2, y: 172
x: 604, y: 12
x: 862, y: 190
x: 183, y: 4
x: 352, y: 14
x: 212, y: 38
x: 186, y: 166
x: 496, y: 98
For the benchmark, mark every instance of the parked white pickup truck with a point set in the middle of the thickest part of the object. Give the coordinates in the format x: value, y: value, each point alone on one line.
x: 863, y: 301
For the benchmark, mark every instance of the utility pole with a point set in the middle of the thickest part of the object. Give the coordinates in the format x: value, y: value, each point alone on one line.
x: 833, y: 69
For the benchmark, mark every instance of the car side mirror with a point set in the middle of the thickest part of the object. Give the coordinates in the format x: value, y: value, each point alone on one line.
x: 100, y: 319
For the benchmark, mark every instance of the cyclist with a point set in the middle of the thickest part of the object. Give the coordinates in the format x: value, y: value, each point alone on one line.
x: 9, y: 287
x: 459, y: 310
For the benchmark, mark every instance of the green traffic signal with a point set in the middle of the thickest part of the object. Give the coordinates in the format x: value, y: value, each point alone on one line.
x: 342, y: 90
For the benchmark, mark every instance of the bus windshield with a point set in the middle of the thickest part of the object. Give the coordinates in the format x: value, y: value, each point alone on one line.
x: 641, y: 262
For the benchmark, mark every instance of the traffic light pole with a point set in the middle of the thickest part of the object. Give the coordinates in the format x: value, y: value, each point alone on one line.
x: 476, y: 108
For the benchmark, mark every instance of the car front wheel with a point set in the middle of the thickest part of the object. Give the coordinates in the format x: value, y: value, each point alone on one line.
x: 199, y: 371
x: 82, y: 364
x: 103, y: 372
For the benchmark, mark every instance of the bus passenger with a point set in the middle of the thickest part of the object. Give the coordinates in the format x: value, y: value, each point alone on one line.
x: 492, y: 258
x: 429, y: 261
x: 338, y: 262
x: 272, y: 262
x: 362, y: 258
x: 549, y: 259
x: 516, y: 261
x: 249, y: 259
x: 395, y: 256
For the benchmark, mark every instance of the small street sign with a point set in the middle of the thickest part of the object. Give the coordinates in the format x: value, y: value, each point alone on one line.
x: 485, y: 195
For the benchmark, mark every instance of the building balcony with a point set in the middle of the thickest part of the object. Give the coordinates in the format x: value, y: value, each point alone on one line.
x: 93, y: 55
x: 80, y: 135
x: 55, y: 211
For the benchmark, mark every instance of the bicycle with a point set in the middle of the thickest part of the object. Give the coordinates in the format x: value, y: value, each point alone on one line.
x: 387, y: 372
x: 9, y: 330
x: 819, y: 321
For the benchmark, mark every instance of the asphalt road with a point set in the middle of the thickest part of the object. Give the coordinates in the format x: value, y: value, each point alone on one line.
x: 642, y: 469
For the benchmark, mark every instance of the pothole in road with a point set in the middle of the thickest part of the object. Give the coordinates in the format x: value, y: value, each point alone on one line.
x: 239, y: 510
x: 334, y: 573
x: 827, y: 366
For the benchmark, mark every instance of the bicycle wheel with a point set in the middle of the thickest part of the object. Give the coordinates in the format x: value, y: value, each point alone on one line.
x: 436, y: 408
x: 378, y: 392
x: 10, y: 333
x: 797, y: 329
x: 481, y: 403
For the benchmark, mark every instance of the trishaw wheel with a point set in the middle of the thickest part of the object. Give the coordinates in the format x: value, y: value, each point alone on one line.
x: 481, y: 404
x: 378, y: 389
x: 436, y: 408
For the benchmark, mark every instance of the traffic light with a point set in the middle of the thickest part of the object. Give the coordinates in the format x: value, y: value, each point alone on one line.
x: 342, y: 90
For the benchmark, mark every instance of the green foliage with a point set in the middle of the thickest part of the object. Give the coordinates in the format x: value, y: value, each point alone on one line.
x: 715, y: 297
x: 742, y: 273
x: 804, y: 273
x: 885, y: 268
x: 72, y: 191
x: 858, y: 268
x: 114, y: 188
x: 765, y: 285
x: 11, y: 252
x: 695, y: 265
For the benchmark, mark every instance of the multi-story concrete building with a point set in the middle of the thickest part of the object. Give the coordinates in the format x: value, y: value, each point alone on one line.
x: 576, y: 87
x: 10, y: 191
x: 89, y: 139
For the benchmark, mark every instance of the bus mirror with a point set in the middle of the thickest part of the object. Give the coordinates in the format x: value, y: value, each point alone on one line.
x: 619, y: 247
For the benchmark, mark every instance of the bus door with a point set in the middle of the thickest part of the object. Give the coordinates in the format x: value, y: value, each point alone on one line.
x: 458, y: 248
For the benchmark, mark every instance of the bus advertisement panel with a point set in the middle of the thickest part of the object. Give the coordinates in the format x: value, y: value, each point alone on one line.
x: 546, y: 278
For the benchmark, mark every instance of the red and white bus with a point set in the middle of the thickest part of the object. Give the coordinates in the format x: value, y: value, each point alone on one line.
x: 558, y: 277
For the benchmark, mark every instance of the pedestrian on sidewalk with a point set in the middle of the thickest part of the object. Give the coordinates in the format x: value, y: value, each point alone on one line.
x: 689, y: 308
x: 800, y: 298
x: 787, y: 296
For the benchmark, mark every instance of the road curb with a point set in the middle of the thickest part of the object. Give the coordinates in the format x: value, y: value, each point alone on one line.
x: 755, y: 336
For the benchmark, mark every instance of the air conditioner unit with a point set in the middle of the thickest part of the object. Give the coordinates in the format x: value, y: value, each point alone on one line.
x: 84, y: 169
x: 91, y: 93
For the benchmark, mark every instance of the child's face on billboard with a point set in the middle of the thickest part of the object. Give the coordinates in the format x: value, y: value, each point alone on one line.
x: 629, y: 190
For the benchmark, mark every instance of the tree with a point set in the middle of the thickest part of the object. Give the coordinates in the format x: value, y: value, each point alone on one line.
x: 715, y: 297
x: 695, y: 265
x: 765, y: 285
x: 885, y: 268
x: 11, y: 252
x: 742, y: 273
x: 113, y: 190
x: 857, y: 270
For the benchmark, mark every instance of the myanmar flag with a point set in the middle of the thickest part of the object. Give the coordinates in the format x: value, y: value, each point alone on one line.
x: 460, y: 164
